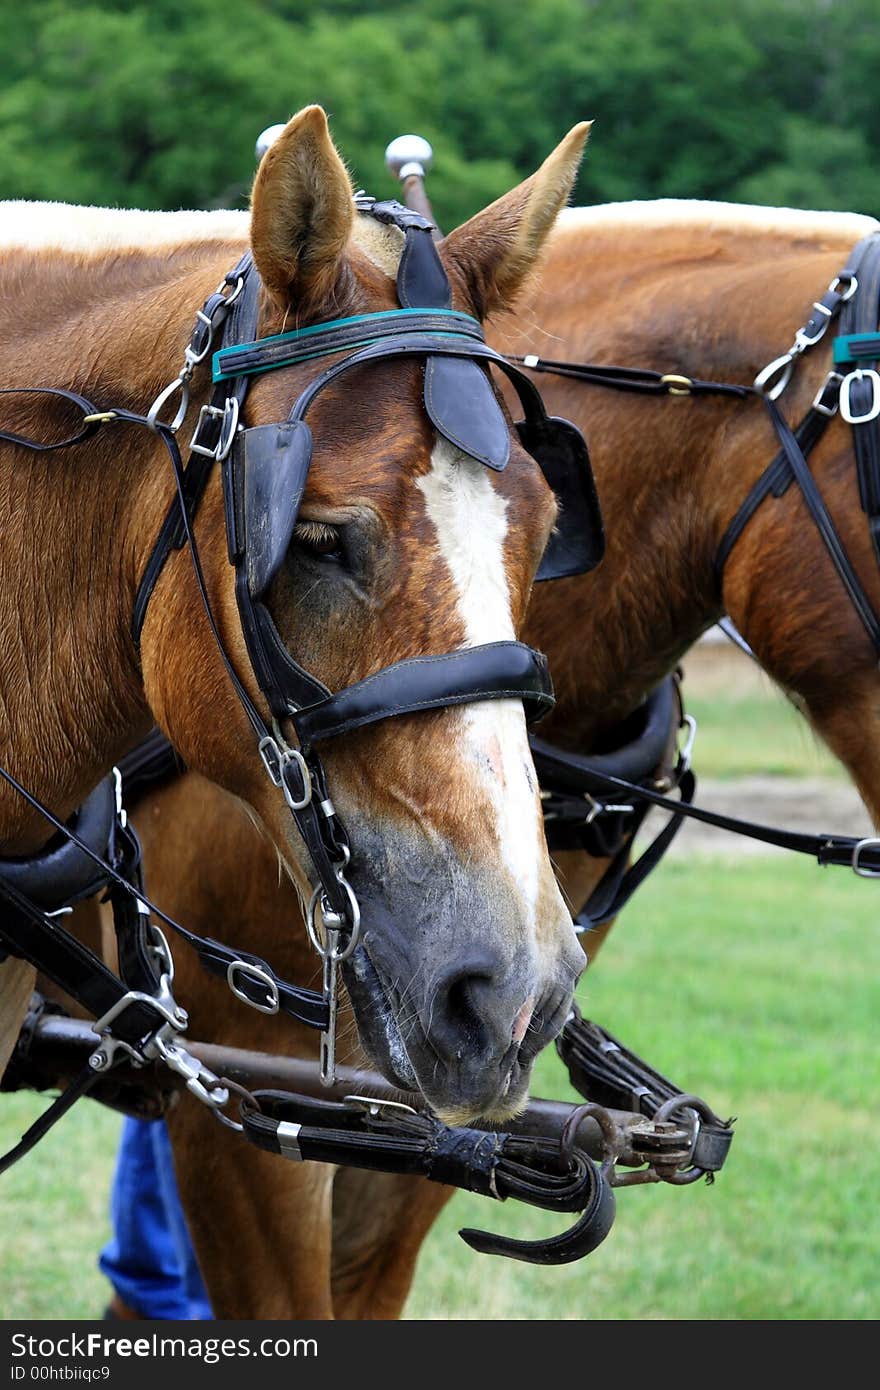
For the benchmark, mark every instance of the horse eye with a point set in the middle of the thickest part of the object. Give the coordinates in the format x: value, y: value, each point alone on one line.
x: 318, y: 539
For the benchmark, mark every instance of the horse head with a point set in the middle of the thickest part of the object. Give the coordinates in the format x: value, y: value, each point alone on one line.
x: 404, y: 547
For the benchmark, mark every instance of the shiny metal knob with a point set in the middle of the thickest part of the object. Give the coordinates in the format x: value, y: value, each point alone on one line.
x: 409, y: 155
x: 267, y: 138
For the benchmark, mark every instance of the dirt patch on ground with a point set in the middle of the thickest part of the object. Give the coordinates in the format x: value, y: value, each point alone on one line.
x: 813, y: 804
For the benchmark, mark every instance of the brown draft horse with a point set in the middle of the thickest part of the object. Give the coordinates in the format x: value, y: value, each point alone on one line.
x: 692, y: 288
x: 102, y: 302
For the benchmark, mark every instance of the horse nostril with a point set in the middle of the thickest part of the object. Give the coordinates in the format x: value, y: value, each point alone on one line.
x: 472, y: 1010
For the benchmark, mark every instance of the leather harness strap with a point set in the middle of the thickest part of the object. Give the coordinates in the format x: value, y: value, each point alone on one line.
x: 854, y: 297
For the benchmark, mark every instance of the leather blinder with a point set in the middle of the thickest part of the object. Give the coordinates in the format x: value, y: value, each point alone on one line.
x: 463, y: 407
x: 274, y: 462
x: 578, y: 540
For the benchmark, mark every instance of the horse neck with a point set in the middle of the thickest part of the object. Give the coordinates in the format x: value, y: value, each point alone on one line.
x: 714, y: 302
x: 71, y: 694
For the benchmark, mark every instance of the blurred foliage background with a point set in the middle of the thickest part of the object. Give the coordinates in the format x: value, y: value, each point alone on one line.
x: 158, y: 104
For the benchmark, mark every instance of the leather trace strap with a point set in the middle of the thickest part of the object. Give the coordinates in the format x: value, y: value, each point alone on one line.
x: 250, y: 977
x: 135, y: 1012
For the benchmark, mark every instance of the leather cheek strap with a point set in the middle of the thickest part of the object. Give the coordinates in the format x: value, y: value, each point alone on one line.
x: 494, y: 671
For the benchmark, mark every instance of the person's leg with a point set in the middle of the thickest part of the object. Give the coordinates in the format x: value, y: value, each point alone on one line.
x: 149, y: 1259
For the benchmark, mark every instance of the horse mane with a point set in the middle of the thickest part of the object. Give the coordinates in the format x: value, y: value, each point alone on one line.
x: 735, y: 218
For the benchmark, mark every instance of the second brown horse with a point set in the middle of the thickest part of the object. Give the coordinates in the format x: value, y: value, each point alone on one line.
x: 707, y: 290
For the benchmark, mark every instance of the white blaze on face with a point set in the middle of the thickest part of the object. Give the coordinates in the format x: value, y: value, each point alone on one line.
x: 470, y: 519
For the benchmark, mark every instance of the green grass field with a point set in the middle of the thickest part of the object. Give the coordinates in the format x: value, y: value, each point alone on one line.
x: 755, y: 986
x: 745, y: 723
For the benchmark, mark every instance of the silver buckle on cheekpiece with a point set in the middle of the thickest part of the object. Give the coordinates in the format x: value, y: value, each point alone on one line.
x: 864, y: 373
x: 228, y: 417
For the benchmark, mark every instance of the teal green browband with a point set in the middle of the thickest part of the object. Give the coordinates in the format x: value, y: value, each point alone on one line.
x: 850, y: 348
x: 322, y: 339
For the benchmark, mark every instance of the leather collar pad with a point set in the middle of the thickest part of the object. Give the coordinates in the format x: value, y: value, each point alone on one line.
x: 61, y: 873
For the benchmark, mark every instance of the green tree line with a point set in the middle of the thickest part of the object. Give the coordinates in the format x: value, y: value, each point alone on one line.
x: 158, y: 105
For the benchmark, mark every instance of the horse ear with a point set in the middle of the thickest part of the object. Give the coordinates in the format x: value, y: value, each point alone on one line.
x: 496, y: 249
x: 301, y: 212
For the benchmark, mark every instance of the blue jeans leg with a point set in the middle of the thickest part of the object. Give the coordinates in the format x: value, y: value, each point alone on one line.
x: 149, y: 1259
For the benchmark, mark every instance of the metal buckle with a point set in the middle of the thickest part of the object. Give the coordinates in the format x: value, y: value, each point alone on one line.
x: 258, y: 976
x: 276, y: 755
x: 833, y: 381
x: 228, y: 417
x: 870, y: 842
x: 846, y: 388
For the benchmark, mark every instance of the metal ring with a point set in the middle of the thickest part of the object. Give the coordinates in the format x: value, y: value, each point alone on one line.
x: 834, y: 287
x: 243, y: 1096
x: 610, y: 1135
x: 355, y: 930
x: 676, y: 385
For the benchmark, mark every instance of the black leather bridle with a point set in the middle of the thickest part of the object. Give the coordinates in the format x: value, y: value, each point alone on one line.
x: 264, y: 475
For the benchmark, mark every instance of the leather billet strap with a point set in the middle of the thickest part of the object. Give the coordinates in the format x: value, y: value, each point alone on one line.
x: 853, y: 298
x: 847, y: 851
x: 825, y: 525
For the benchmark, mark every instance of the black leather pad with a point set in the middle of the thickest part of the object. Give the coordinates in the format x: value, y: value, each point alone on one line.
x: 578, y: 540
x: 463, y: 408
x: 276, y: 466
